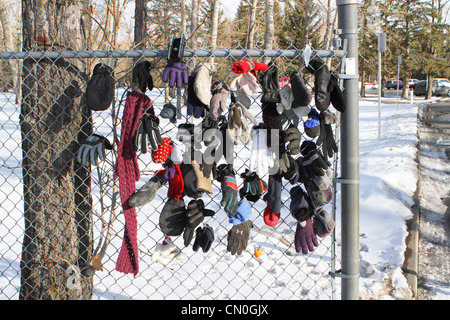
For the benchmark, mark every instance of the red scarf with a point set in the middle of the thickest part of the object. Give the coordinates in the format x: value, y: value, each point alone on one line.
x: 127, y: 169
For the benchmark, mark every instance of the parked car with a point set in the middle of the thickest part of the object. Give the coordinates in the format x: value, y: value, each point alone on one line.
x: 441, y: 87
x: 412, y: 82
x: 392, y: 84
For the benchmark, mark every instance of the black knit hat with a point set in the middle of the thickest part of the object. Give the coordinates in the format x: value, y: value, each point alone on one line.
x: 100, y: 88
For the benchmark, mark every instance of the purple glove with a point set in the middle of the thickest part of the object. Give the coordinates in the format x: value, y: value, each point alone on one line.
x: 305, y: 238
x: 178, y: 72
x: 169, y: 171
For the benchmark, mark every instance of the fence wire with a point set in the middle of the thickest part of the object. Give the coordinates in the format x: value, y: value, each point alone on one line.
x: 279, y: 273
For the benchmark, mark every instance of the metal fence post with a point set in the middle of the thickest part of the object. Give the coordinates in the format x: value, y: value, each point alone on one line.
x: 348, y: 25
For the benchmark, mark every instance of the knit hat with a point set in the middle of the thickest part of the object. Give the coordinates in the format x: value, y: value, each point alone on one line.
x: 169, y: 111
x: 312, y: 125
x: 100, y: 88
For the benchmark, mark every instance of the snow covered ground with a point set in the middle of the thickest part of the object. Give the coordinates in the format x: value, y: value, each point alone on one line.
x: 388, y: 179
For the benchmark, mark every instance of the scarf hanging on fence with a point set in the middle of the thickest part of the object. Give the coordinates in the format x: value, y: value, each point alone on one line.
x: 127, y: 170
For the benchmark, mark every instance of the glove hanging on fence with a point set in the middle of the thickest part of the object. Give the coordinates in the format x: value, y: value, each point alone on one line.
x: 293, y: 138
x: 167, y: 249
x: 253, y: 186
x: 147, y: 192
x: 142, y: 77
x: 93, y: 149
x: 190, y: 181
x: 269, y: 84
x: 204, y: 237
x: 195, y: 107
x: 322, y: 78
x: 162, y: 153
x: 302, y: 95
x: 305, y: 239
x: 238, y: 237
x: 202, y: 82
x: 244, y: 66
x: 245, y: 86
x: 172, y: 220
x: 273, y: 198
x: 100, y: 88
x: 244, y: 212
x: 227, y: 179
x: 301, y: 208
x: 238, y: 127
x: 314, y: 164
x: 195, y: 214
x: 169, y: 111
x: 337, y: 98
x: 217, y: 105
x: 147, y: 133
x: 286, y: 99
x: 326, y: 138
x: 175, y: 73
x: 261, y: 158
x: 323, y: 223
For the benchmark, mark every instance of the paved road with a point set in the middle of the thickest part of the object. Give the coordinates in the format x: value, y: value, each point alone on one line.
x: 434, y: 196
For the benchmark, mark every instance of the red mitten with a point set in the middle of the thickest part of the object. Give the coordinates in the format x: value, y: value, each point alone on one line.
x: 162, y: 153
x: 176, y: 184
x: 244, y: 66
x: 270, y: 218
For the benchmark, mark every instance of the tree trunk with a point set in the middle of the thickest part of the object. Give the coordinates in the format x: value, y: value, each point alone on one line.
x: 9, y: 46
x: 270, y: 28
x: 54, y: 120
x: 429, y: 93
x: 140, y: 31
x: 250, y: 41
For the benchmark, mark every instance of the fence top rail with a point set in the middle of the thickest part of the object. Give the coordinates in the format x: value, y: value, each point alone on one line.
x: 291, y: 54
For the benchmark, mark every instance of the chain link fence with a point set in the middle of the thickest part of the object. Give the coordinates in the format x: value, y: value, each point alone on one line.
x: 90, y: 270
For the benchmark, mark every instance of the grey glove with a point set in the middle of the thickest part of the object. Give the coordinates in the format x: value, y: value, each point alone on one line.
x: 238, y: 237
x: 146, y: 193
x: 323, y: 223
x: 93, y: 149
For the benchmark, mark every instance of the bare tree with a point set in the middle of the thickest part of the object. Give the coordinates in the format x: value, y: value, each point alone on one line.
x: 270, y: 26
x: 10, y: 46
x: 250, y: 40
x: 54, y: 120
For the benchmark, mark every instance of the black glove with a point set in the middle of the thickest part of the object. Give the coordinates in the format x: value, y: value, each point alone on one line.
x: 268, y: 80
x: 314, y: 164
x: 337, y: 97
x: 93, y: 149
x: 253, y: 186
x: 326, y: 138
x: 195, y: 214
x: 148, y: 128
x: 322, y: 78
x: 204, y: 238
x: 142, y: 77
x: 227, y: 179
x: 172, y: 220
x: 238, y: 237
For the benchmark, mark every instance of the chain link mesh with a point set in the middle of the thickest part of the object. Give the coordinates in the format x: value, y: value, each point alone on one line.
x: 283, y: 274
